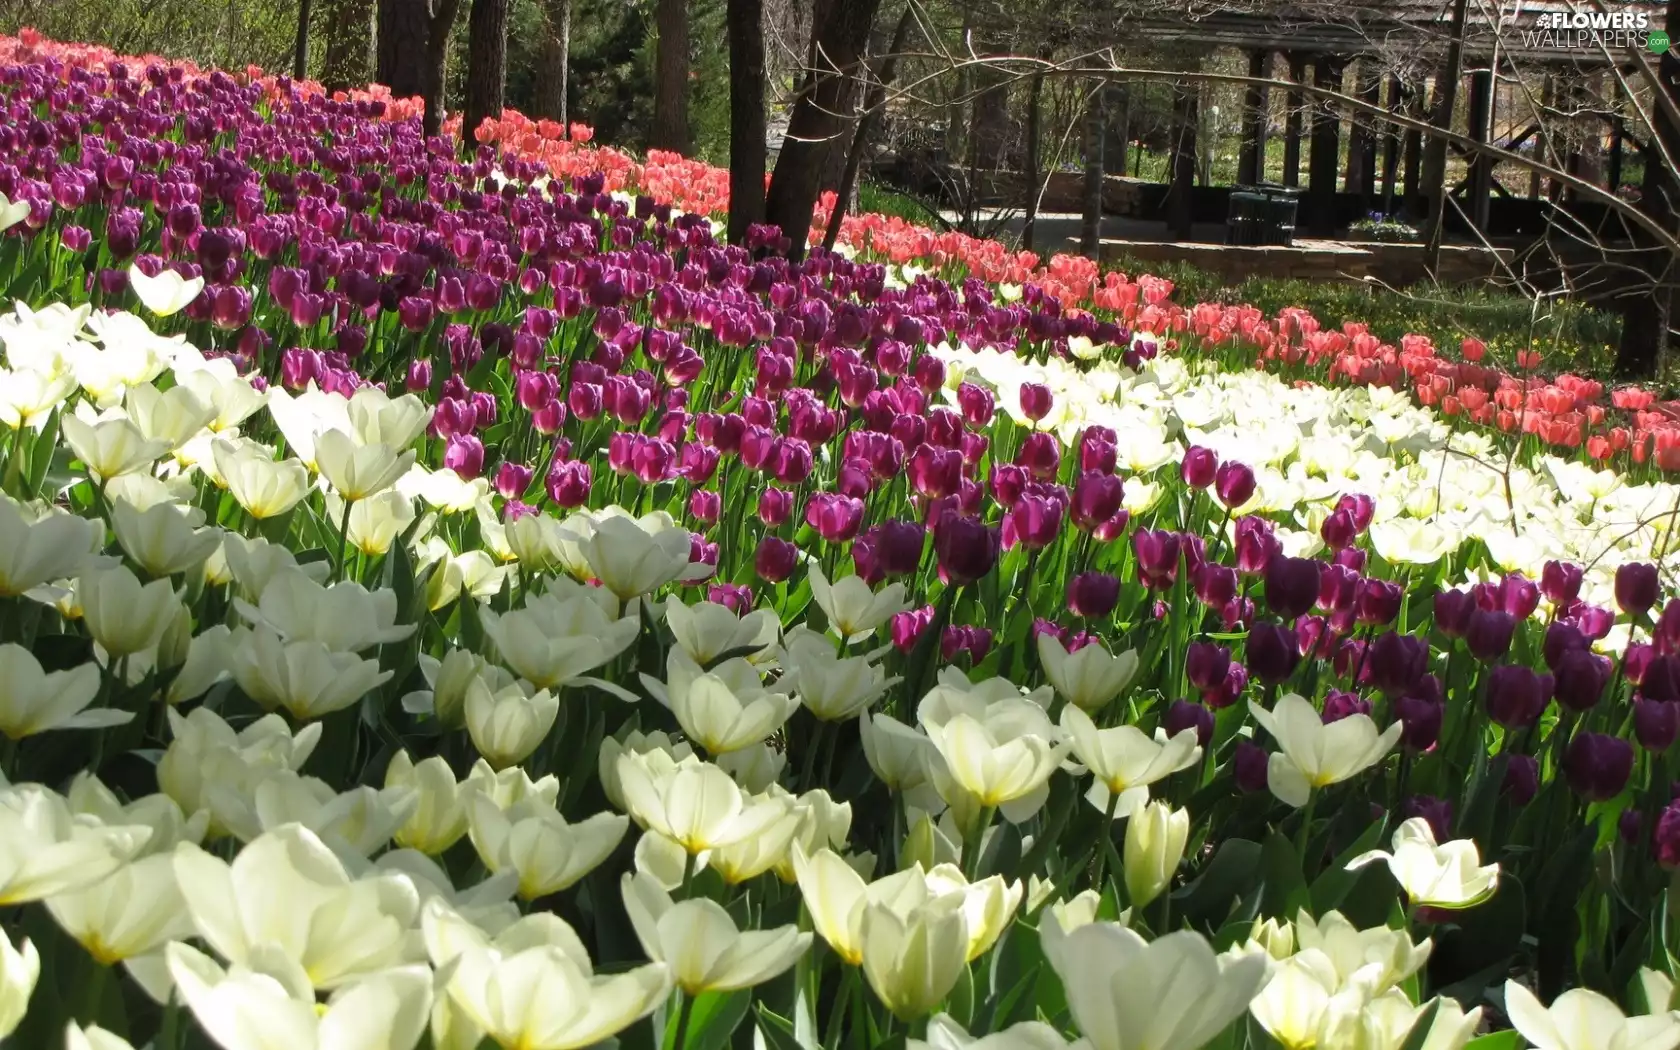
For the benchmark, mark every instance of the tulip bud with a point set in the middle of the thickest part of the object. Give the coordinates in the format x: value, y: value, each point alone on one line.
x: 1155, y: 838
x: 1036, y: 401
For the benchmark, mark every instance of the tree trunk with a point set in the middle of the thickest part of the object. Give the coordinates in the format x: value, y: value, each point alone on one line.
x: 300, y: 44
x: 1435, y: 153
x: 346, y: 63
x: 556, y: 61
x: 413, y: 45
x: 1647, y: 319
x: 1182, y: 174
x: 872, y: 104
x: 747, y: 122
x: 437, y: 61
x: 670, y: 78
x: 1035, y: 178
x: 486, y: 65
x: 818, y: 118
x: 1096, y: 127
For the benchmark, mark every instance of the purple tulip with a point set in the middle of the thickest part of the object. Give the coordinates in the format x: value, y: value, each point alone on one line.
x: 1249, y: 765
x: 966, y: 548
x: 1378, y: 603
x: 1579, y: 678
x: 1522, y: 779
x: 1656, y: 723
x: 1198, y: 466
x: 568, y: 483
x: 1597, y: 765
x: 1215, y: 584
x: 512, y: 479
x: 1272, y: 653
x: 1453, y: 610
x: 1291, y: 586
x: 464, y: 454
x: 1093, y: 595
x: 836, y: 518
x: 775, y: 559
x: 1516, y: 695
x: 1184, y: 714
x: 1489, y: 634
x: 1233, y: 483
x: 1157, y: 553
x: 1034, y: 522
x: 1040, y: 455
x: 1397, y: 662
x: 1096, y: 499
x: 1560, y: 582
x: 906, y: 627
x: 1339, y: 704
x: 1438, y: 812
x: 1036, y: 401
x: 1205, y: 664
x: 1636, y: 587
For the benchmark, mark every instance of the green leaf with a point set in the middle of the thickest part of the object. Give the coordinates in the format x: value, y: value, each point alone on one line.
x: 777, y: 1030
x: 712, y: 1018
x: 1286, y: 890
x: 1333, y: 884
x: 1234, y: 869
x: 1507, y: 1040
x: 1419, y: 1033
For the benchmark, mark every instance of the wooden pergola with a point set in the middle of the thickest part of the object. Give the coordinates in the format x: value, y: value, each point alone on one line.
x: 1394, y: 48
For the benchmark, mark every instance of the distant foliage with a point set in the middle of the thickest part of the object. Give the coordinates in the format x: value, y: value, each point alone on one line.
x: 228, y: 33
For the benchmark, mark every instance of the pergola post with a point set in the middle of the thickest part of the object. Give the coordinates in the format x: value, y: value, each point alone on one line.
x: 1181, y: 187
x: 1292, y: 123
x: 1362, y: 133
x: 1251, y: 165
x: 1326, y: 145
x: 1480, y: 181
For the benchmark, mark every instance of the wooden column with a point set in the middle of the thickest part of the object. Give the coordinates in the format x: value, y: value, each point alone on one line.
x: 1292, y: 124
x: 1182, y: 179
x: 1481, y: 166
x: 1251, y: 165
x: 1326, y: 145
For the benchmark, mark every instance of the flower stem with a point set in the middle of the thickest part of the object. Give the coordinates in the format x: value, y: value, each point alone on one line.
x: 684, y: 1012
x: 1107, y: 842
x: 343, y: 539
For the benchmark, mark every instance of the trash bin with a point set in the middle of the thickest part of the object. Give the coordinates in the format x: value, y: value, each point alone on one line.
x: 1262, y: 215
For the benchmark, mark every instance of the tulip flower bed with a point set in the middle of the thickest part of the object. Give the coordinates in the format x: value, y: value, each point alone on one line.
x: 447, y: 604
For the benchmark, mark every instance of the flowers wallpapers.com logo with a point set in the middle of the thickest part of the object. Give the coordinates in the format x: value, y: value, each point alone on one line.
x: 1617, y: 30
